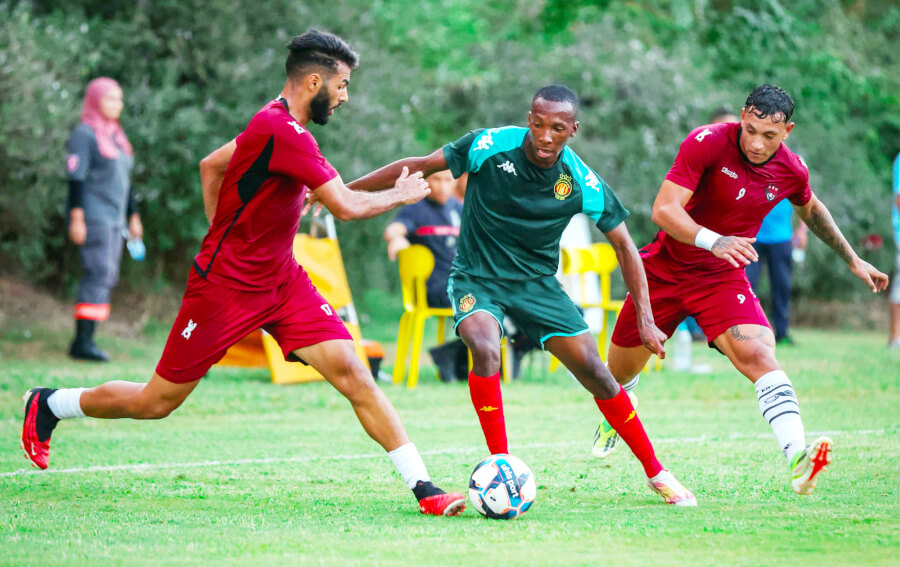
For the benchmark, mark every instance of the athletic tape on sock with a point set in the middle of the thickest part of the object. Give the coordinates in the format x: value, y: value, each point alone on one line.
x: 66, y: 403
x: 778, y: 405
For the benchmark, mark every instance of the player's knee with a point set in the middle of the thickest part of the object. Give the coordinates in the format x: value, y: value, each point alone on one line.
x: 354, y: 382
x: 485, y: 359
x: 755, y: 354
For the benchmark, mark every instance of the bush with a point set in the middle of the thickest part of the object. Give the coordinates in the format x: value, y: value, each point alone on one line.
x: 647, y: 73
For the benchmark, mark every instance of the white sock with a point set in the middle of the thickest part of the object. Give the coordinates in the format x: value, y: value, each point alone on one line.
x: 410, y: 465
x: 778, y: 404
x: 631, y: 384
x: 66, y: 402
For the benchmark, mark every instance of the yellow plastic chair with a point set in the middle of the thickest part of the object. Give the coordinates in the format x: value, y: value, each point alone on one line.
x: 415, y: 264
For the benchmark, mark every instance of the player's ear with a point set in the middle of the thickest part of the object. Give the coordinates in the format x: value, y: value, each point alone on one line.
x: 575, y: 128
x: 314, y: 81
x: 787, y: 129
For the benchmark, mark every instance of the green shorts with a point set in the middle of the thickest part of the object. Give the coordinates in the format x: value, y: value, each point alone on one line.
x: 538, y: 306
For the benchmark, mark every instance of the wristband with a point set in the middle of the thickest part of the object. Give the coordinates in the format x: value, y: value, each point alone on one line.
x: 706, y: 238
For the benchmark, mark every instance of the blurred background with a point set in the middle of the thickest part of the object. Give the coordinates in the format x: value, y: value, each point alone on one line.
x: 194, y: 72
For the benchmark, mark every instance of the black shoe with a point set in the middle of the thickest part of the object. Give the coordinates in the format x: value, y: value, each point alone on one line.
x: 81, y: 350
x: 83, y: 347
x: 444, y: 357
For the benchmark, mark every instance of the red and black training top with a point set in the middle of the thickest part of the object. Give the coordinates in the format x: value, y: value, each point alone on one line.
x: 249, y: 245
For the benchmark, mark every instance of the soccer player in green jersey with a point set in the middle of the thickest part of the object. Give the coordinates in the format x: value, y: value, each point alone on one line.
x: 524, y: 185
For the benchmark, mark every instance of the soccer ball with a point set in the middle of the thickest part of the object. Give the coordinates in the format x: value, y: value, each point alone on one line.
x: 502, y: 487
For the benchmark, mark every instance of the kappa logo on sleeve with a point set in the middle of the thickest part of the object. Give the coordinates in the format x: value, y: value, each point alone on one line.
x: 72, y: 162
x: 706, y: 132
x: 485, y: 141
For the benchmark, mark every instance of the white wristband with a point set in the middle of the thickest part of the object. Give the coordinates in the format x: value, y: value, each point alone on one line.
x: 706, y: 238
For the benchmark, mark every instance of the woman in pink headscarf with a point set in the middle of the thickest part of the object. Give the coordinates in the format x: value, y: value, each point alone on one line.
x: 101, y: 201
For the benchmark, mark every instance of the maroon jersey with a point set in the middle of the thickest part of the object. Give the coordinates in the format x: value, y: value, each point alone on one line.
x: 250, y: 243
x: 731, y: 197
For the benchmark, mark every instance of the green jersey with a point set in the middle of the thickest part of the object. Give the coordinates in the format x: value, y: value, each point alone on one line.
x: 515, y: 211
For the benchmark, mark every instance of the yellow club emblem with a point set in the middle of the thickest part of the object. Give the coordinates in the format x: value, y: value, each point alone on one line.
x: 466, y: 303
x: 563, y: 187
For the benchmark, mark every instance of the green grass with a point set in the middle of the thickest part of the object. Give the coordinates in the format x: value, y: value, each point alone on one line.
x: 248, y: 473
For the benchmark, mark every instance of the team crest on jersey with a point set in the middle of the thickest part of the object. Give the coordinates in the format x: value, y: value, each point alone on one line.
x: 771, y: 192
x: 563, y: 187
x: 467, y: 303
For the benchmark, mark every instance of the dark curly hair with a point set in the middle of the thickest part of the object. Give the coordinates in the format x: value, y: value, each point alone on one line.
x: 769, y: 100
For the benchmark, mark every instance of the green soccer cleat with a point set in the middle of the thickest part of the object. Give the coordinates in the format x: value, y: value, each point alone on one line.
x: 808, y: 463
x: 606, y: 439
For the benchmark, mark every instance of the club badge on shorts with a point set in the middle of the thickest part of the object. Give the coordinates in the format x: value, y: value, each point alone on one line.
x: 771, y: 192
x: 467, y: 303
x: 563, y: 187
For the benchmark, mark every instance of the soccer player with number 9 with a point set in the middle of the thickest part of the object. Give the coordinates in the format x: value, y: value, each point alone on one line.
x: 725, y: 179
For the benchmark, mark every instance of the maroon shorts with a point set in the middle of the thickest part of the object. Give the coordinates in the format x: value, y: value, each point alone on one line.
x: 213, y: 317
x: 717, y: 303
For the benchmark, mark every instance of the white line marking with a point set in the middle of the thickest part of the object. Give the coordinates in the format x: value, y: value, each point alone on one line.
x: 363, y: 456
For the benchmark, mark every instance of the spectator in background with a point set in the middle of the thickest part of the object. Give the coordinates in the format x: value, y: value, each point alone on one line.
x: 434, y: 223
x: 894, y: 338
x: 101, y: 200
x: 774, y: 244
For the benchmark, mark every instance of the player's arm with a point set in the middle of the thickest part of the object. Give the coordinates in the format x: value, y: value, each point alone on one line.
x: 395, y: 236
x: 212, y: 173
x: 817, y: 217
x: 636, y: 282
x: 347, y: 204
x: 669, y: 213
x: 384, y: 177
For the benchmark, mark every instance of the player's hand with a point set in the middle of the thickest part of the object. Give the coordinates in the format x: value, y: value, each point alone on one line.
x: 395, y: 246
x: 736, y: 250
x: 135, y: 228
x: 413, y: 188
x: 653, y: 338
x: 312, y: 202
x: 77, y: 231
x: 865, y: 271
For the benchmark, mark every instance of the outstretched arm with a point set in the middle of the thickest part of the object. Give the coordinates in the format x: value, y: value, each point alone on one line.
x: 670, y: 215
x: 816, y: 216
x: 212, y: 173
x: 384, y: 177
x: 636, y: 282
x: 348, y: 204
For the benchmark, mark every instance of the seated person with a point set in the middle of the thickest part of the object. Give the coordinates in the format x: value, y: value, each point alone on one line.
x: 434, y: 223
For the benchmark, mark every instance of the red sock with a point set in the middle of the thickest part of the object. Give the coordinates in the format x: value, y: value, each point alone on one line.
x: 621, y: 415
x: 488, y: 404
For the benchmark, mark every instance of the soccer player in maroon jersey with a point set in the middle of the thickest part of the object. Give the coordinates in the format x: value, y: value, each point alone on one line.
x: 725, y: 179
x: 245, y: 276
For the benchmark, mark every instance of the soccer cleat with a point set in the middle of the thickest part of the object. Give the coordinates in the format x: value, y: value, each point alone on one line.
x: 808, y: 463
x: 38, y: 426
x: 669, y: 488
x: 606, y: 439
x: 448, y: 504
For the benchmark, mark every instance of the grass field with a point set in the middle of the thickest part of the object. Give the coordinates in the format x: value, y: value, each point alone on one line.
x: 248, y: 473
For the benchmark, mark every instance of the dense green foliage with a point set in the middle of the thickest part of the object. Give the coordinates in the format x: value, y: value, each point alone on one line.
x: 195, y: 71
x: 248, y: 473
